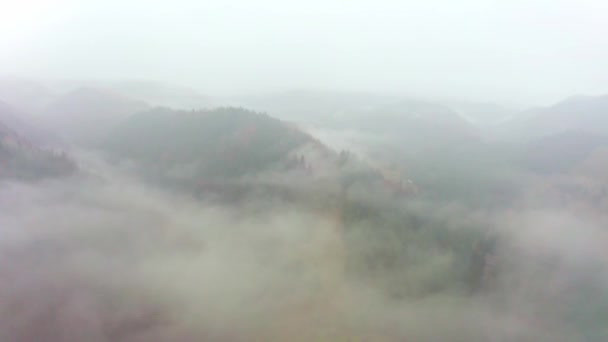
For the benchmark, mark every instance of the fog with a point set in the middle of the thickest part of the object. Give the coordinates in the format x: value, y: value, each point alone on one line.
x: 111, y: 259
x: 524, y: 52
x: 303, y: 171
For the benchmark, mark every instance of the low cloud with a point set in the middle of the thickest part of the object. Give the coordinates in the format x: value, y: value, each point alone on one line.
x: 110, y: 259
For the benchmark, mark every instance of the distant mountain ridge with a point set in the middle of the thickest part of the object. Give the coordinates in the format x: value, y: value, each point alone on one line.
x: 24, y: 94
x: 576, y: 114
x: 161, y: 94
x: 581, y: 113
x: 311, y: 106
x: 415, y: 124
x: 86, y: 114
x: 14, y: 119
x: 154, y: 93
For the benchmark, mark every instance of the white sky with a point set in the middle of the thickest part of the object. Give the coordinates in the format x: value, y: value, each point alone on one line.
x: 498, y: 50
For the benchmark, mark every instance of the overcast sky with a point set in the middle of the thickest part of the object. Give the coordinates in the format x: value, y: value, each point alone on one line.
x: 498, y: 50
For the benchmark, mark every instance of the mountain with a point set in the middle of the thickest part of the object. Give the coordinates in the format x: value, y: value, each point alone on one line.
x: 234, y: 153
x: 414, y: 124
x: 311, y: 106
x: 15, y: 119
x: 154, y: 93
x: 359, y: 110
x: 563, y: 151
x: 481, y: 114
x: 25, y: 95
x: 219, y: 143
x: 86, y: 114
x: 162, y: 94
x: 21, y: 159
x: 584, y: 114
x: 555, y: 139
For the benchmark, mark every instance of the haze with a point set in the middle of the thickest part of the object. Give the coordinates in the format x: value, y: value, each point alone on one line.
x: 526, y: 52
x: 272, y: 171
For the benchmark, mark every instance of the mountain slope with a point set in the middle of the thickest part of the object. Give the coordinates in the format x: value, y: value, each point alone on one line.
x: 20, y: 159
x: 224, y: 142
x: 481, y: 114
x: 563, y: 151
x: 25, y: 95
x: 414, y: 126
x: 14, y: 119
x: 584, y: 114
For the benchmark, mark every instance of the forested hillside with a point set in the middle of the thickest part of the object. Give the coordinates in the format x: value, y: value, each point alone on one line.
x: 208, y: 145
x: 20, y: 159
